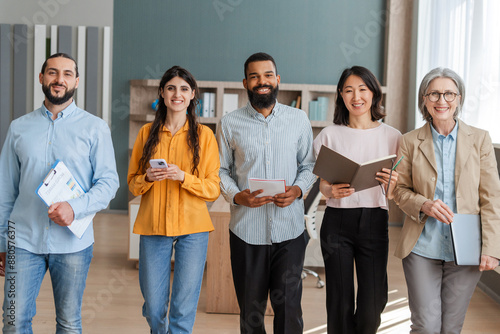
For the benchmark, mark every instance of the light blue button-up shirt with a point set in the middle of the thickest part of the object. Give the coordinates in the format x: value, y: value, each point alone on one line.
x: 276, y: 147
x: 33, y: 143
x: 435, y: 240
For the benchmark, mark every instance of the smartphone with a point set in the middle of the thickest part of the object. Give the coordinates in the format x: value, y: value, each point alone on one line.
x: 158, y: 163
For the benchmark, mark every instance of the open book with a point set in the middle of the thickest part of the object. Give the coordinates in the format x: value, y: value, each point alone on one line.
x: 336, y: 168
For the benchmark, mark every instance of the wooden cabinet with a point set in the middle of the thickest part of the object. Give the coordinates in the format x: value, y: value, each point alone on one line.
x: 221, y: 297
x: 133, y: 239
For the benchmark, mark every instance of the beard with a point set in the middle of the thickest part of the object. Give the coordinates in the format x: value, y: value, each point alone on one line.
x: 55, y: 99
x: 260, y: 101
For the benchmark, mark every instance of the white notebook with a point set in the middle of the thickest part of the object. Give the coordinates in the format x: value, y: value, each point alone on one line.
x: 466, y: 237
x: 270, y: 187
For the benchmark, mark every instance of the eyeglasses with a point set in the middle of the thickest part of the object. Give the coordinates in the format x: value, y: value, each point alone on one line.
x: 435, y: 96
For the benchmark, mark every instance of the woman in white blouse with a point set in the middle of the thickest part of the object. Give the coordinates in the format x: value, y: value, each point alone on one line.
x: 355, y: 225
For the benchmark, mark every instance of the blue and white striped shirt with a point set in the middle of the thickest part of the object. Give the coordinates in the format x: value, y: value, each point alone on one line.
x: 276, y: 147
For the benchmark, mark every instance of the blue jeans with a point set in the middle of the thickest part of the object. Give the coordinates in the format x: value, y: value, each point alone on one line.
x: 155, y: 253
x: 23, y: 278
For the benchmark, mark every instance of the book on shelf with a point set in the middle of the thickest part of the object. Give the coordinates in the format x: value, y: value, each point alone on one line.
x: 229, y: 103
x: 313, y: 110
x: 199, y: 108
x: 298, y: 102
x: 336, y: 168
x: 322, y: 110
x: 212, y: 105
x: 206, y: 105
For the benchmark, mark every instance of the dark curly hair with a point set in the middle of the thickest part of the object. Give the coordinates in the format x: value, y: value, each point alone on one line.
x: 161, y: 116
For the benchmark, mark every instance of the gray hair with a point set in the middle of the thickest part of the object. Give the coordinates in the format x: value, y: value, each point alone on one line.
x: 439, y: 72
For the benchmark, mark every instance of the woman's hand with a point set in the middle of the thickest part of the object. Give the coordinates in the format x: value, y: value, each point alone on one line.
x: 488, y: 263
x: 174, y: 173
x: 335, y: 190
x: 156, y: 174
x: 383, y: 177
x: 438, y: 210
x: 341, y: 190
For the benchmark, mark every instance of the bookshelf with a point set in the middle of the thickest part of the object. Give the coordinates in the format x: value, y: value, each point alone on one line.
x: 144, y: 92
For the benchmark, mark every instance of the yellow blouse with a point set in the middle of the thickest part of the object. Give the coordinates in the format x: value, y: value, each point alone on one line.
x: 172, y: 208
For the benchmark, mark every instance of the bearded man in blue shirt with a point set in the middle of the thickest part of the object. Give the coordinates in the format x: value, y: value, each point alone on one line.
x: 266, y: 140
x: 32, y: 237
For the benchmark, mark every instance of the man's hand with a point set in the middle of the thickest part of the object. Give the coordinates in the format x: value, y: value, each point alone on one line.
x: 61, y: 213
x: 251, y: 200
x: 287, y: 198
x: 487, y: 263
x: 2, y: 264
x: 438, y: 210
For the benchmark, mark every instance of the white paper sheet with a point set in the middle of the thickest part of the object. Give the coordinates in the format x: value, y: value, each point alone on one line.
x: 270, y: 187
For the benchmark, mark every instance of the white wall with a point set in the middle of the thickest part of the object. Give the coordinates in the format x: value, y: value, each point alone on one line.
x: 59, y: 12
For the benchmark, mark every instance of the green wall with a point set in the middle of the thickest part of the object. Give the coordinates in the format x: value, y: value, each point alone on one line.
x: 311, y: 41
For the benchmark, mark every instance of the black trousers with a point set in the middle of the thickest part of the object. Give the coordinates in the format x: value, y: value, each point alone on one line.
x: 355, y: 236
x: 274, y: 270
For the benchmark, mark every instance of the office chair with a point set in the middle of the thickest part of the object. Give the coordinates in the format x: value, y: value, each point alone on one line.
x: 311, y: 203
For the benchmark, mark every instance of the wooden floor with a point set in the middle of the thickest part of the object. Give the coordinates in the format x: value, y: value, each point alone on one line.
x: 112, y: 300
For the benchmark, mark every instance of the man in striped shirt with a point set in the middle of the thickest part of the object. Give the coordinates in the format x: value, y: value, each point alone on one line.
x: 266, y: 140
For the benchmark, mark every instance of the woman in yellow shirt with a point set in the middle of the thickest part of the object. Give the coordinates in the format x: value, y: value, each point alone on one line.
x: 173, y: 213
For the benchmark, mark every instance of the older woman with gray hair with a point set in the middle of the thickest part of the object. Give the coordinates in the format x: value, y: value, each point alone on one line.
x: 448, y: 167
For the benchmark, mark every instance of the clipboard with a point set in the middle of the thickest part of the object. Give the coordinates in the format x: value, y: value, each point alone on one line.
x: 59, y: 186
x: 466, y: 239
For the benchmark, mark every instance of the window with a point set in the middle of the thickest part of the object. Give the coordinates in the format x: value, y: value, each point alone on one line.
x: 464, y: 36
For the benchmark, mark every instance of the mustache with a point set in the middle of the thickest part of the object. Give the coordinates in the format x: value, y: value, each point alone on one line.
x: 262, y: 86
x: 54, y: 84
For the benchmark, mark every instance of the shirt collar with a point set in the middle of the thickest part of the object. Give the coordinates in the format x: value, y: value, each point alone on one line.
x: 274, y: 113
x: 64, y: 113
x: 185, y: 127
x: 436, y: 135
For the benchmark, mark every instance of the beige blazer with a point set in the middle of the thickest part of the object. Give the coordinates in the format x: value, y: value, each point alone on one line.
x: 477, y: 184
